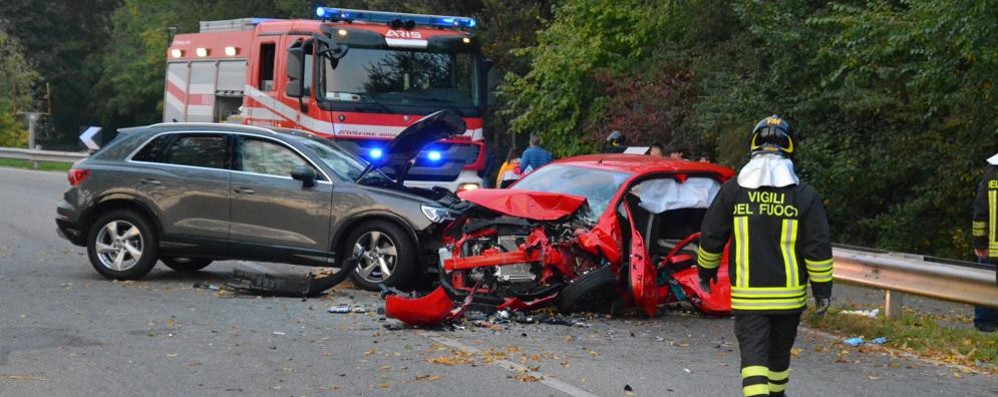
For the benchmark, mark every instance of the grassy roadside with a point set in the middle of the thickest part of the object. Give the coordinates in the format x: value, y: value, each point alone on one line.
x: 42, y: 165
x: 917, y: 333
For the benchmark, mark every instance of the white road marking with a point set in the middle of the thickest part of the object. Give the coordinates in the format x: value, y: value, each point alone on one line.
x: 546, y: 380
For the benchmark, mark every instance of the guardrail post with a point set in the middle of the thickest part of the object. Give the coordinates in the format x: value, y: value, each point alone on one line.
x: 893, y: 302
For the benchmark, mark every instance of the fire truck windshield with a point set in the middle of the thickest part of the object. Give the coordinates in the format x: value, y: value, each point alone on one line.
x: 401, y: 81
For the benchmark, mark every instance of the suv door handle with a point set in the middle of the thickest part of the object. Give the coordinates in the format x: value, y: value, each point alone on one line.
x: 149, y: 181
x: 245, y: 190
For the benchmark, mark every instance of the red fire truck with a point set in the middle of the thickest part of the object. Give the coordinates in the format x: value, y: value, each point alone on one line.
x: 357, y: 77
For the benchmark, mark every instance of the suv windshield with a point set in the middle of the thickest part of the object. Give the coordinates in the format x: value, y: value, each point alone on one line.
x: 346, y: 165
x: 390, y: 77
x: 597, y: 186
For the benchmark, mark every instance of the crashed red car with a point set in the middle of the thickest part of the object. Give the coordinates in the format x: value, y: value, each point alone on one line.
x: 587, y: 233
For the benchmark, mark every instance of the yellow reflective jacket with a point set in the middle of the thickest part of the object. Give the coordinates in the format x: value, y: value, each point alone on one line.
x: 984, y: 213
x: 780, y: 241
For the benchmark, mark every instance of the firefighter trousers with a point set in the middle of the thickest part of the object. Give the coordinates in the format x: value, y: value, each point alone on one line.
x: 765, y: 342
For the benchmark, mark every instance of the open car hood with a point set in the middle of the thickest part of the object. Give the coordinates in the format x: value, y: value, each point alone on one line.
x: 536, y: 206
x: 401, y: 151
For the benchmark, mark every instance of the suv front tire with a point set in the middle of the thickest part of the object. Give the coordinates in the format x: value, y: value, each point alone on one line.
x: 380, y: 247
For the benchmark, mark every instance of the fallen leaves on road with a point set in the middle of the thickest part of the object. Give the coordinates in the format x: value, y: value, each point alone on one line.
x: 427, y: 378
x: 457, y: 357
x: 526, y: 378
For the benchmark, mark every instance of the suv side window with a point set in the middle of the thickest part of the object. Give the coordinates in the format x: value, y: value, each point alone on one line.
x: 266, y: 157
x: 153, y: 150
x: 207, y: 151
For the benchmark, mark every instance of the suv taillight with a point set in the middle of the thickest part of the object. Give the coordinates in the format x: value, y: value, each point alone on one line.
x: 77, y: 176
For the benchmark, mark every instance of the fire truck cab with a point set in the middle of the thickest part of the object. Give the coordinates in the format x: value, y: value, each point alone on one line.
x: 356, y: 77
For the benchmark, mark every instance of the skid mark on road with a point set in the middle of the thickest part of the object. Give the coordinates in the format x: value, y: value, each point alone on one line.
x: 545, y: 380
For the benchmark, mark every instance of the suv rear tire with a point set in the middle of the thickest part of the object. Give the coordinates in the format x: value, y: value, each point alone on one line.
x: 122, y: 245
x: 186, y: 265
x: 378, y: 246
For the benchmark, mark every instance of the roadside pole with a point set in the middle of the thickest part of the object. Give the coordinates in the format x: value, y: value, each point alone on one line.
x: 32, y: 123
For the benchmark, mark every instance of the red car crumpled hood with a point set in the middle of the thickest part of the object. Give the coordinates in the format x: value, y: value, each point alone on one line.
x: 537, y: 206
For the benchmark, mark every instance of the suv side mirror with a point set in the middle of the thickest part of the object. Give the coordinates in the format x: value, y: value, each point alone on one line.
x: 295, y: 86
x: 305, y: 174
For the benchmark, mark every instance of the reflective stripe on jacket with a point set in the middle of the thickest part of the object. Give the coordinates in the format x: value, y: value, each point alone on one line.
x: 779, y: 242
x: 984, y: 224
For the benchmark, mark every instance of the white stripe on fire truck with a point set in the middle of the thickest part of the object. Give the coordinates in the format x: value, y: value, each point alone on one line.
x: 200, y: 110
x: 177, y: 81
x: 288, y: 112
x: 201, y: 89
x: 327, y: 127
x: 174, y: 103
x: 262, y: 114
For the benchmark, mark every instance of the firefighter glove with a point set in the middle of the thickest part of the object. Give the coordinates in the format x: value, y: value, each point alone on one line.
x: 706, y: 277
x: 821, y: 305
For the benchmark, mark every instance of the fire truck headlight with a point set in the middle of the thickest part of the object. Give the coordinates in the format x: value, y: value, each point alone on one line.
x: 231, y: 51
x: 341, y: 32
x: 202, y: 52
x: 466, y: 40
x: 176, y: 53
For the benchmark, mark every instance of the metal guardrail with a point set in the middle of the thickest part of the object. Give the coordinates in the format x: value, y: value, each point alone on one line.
x: 41, y: 155
x: 914, y: 274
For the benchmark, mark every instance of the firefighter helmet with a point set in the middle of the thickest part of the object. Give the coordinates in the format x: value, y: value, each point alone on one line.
x: 772, y: 135
x: 615, y: 139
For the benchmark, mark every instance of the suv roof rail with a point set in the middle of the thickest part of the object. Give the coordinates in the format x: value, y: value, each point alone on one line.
x: 221, y: 126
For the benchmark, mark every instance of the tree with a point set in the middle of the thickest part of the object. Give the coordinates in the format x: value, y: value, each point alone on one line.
x: 559, y: 96
x: 16, y: 89
x: 63, y: 39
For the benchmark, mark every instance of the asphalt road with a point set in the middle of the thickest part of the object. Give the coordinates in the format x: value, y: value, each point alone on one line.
x: 65, y: 331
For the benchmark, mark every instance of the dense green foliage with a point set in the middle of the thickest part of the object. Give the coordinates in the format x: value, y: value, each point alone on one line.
x: 19, y: 78
x: 893, y: 101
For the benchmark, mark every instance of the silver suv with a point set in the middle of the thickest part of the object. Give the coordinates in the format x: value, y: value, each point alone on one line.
x: 188, y: 194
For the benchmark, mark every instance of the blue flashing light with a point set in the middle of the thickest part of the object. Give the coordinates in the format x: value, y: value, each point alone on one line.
x: 376, y: 153
x: 438, y: 21
x: 434, y: 155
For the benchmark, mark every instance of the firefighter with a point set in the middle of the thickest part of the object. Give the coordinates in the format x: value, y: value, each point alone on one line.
x: 985, y: 237
x: 615, y: 143
x: 780, y: 243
